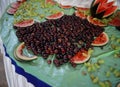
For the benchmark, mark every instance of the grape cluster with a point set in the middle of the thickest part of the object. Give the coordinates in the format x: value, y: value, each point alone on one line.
x: 64, y: 37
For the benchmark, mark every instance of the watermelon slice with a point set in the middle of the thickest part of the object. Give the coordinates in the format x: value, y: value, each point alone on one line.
x: 56, y: 15
x: 19, y: 53
x: 24, y: 23
x: 116, y: 20
x: 81, y: 57
x: 95, y: 21
x: 102, y: 9
x: 65, y: 6
x: 103, y: 6
x: 110, y: 11
x: 15, y: 4
x: 81, y: 8
x: 80, y: 14
x: 98, y: 22
x: 11, y: 10
x: 16, y: 56
x: 50, y: 1
x: 90, y: 19
x: 101, y: 40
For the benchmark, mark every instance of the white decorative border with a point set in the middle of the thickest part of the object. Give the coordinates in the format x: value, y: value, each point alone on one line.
x: 14, y: 79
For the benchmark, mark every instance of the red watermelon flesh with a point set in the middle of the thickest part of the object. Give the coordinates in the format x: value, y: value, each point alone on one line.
x: 103, y: 6
x: 109, y: 4
x: 81, y: 8
x: 15, y: 4
x: 11, y: 11
x: 81, y: 57
x: 99, y: 1
x: 116, y: 20
x: 90, y: 19
x: 101, y: 40
x: 110, y: 11
x: 50, y: 1
x: 24, y: 23
x: 65, y: 6
x: 98, y: 22
x: 56, y: 15
x: 80, y: 14
x: 95, y: 22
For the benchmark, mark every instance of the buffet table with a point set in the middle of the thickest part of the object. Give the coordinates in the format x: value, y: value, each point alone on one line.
x: 13, y: 72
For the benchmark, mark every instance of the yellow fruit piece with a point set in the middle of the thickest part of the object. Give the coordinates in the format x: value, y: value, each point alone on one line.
x: 117, y: 74
x: 111, y: 69
x: 100, y: 61
x: 118, y: 40
x: 97, y: 66
x: 108, y: 84
x: 90, y: 51
x: 102, y: 84
x: 112, y: 37
x: 95, y: 80
x: 87, y: 64
x: 89, y: 69
x: 107, y: 74
x: 92, y: 76
x: 93, y: 67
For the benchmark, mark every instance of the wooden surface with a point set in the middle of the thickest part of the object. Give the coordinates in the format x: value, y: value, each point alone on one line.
x: 3, y: 82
